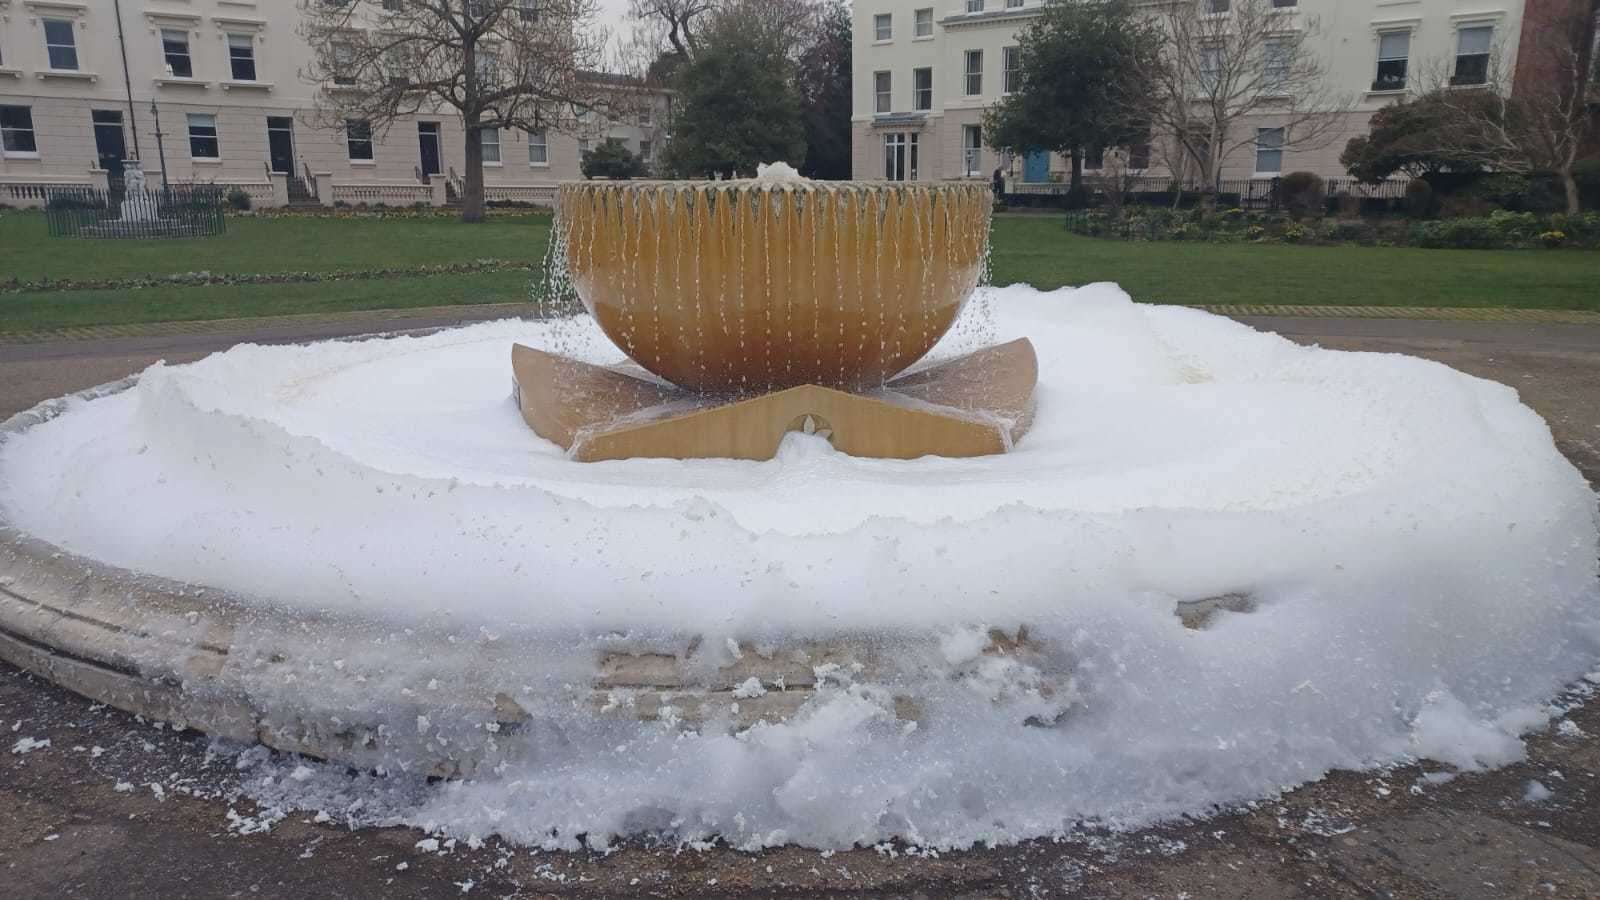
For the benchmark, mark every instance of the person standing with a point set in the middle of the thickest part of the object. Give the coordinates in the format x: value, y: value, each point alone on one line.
x: 999, y: 185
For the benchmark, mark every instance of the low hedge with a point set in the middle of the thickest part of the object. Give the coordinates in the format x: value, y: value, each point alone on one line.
x: 1499, y: 230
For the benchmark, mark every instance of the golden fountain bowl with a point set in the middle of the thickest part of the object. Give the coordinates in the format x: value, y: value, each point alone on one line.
x: 744, y: 286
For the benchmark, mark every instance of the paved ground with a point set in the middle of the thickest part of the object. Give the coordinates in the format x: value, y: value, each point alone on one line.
x: 66, y: 829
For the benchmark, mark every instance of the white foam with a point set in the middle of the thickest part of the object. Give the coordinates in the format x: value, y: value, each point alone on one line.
x: 1421, y: 560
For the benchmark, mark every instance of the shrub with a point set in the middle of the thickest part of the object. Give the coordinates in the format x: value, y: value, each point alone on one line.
x: 1515, y: 227
x: 1587, y: 174
x: 1302, y: 194
x: 612, y: 159
x: 1552, y: 239
x: 1349, y: 205
x: 1255, y: 232
x: 239, y: 200
x: 1294, y: 234
x: 71, y: 201
x: 1461, y: 234
x: 1353, y: 232
x: 1420, y: 201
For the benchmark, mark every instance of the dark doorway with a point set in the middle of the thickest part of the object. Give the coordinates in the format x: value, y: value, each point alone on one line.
x: 428, y: 135
x: 280, y: 143
x: 109, y: 146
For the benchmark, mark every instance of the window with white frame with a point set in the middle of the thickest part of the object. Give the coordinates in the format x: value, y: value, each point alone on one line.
x: 973, y: 73
x: 1210, y: 67
x: 1472, y: 54
x: 203, y: 142
x: 1011, y: 69
x: 1276, y: 62
x: 1269, y: 151
x: 924, y: 22
x: 242, y: 57
x: 922, y: 89
x: 1218, y: 7
x: 974, y: 6
x: 489, y: 144
x: 972, y: 150
x: 646, y: 115
x: 488, y: 63
x: 358, y: 139
x: 539, y: 147
x: 1013, y: 4
x: 175, y: 50
x: 1285, y: 4
x: 344, y: 63
x: 1394, y: 58
x: 1094, y: 158
x: 883, y: 27
x: 529, y: 10
x: 882, y: 95
x: 60, y: 44
x: 900, y: 156
x: 16, y: 131
x: 647, y: 151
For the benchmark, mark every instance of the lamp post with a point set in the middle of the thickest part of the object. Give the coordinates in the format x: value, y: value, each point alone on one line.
x: 160, y: 150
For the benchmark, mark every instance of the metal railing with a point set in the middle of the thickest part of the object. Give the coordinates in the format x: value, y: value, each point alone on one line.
x: 176, y: 211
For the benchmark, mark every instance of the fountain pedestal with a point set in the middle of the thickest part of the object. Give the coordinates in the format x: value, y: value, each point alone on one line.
x: 758, y: 308
x: 975, y: 405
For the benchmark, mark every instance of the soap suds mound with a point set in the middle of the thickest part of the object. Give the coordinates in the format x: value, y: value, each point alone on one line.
x: 1420, y: 564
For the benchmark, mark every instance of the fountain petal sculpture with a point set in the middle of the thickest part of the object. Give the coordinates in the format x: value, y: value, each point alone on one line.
x: 766, y: 304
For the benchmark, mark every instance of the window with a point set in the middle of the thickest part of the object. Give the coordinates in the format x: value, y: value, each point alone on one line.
x: 488, y: 66
x: 900, y: 156
x: 1275, y: 70
x: 203, y: 142
x: 489, y: 145
x: 974, y: 73
x: 922, y: 89
x: 1210, y: 68
x: 16, y: 130
x: 972, y: 150
x: 175, y: 47
x: 583, y: 146
x: 881, y: 95
x: 1269, y: 151
x: 1094, y: 158
x: 1285, y: 4
x: 344, y: 63
x: 882, y: 27
x: 1394, y: 51
x: 646, y: 151
x: 539, y: 148
x: 1139, y: 155
x: 646, y: 116
x: 1011, y: 69
x: 974, y: 6
x: 1472, y: 55
x: 242, y: 57
x: 1013, y: 4
x: 1217, y: 7
x: 358, y: 138
x: 61, y: 44
x: 529, y: 10
x: 392, y: 5
x: 924, y: 22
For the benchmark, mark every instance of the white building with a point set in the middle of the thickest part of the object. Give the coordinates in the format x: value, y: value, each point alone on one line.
x: 924, y: 71
x: 225, y: 76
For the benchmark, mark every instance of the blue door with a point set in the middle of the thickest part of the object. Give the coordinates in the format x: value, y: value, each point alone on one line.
x: 1036, y: 167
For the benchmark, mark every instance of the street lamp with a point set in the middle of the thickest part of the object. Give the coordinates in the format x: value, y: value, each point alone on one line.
x: 160, y: 150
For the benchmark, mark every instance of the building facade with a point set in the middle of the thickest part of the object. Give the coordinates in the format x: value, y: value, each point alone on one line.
x: 925, y: 70
x: 78, y: 79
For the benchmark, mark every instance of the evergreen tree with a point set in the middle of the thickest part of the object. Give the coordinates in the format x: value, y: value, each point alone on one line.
x: 824, y: 79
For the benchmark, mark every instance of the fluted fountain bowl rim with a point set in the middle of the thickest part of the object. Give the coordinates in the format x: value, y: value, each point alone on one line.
x: 753, y: 185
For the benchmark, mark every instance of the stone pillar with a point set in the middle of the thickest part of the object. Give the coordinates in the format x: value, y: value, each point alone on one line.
x: 440, y: 195
x: 324, y: 187
x: 280, y: 188
x: 100, y: 180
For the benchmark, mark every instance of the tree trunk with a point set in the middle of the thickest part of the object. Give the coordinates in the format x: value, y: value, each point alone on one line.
x: 1075, y: 198
x: 1574, y: 199
x: 472, y: 193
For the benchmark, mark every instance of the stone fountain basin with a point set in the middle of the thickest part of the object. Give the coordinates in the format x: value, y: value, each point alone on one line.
x: 749, y: 285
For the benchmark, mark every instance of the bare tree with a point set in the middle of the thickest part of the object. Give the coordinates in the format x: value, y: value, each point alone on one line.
x: 499, y: 64
x: 1542, y: 123
x: 678, y: 22
x: 1226, y: 67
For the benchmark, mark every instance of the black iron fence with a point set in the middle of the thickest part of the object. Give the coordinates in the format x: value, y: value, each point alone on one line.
x: 178, y: 211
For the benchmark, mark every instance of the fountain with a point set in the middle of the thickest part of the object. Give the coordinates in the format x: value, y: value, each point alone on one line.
x: 791, y: 572
x: 773, y: 305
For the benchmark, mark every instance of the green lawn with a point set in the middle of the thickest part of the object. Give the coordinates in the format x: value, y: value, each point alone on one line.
x: 1032, y: 249
x: 282, y: 244
x: 1035, y: 250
